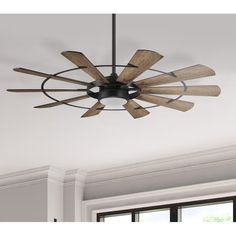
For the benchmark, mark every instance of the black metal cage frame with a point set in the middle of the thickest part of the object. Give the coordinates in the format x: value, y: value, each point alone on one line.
x: 114, y: 109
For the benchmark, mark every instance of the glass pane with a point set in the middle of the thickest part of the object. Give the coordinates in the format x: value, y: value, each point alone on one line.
x: 118, y: 218
x: 216, y: 212
x: 162, y: 215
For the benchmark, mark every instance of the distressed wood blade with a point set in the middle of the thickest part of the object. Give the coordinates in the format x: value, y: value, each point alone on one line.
x: 142, y: 60
x: 135, y: 109
x: 179, y: 105
x: 204, y: 90
x: 45, y: 75
x: 188, y: 73
x: 80, y: 60
x: 70, y: 100
x: 44, y: 90
x: 94, y: 110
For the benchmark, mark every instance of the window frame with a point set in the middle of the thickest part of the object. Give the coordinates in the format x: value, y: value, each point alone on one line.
x: 174, y: 209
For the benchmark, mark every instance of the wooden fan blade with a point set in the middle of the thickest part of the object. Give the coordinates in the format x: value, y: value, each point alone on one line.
x: 204, y: 90
x: 188, y: 73
x: 142, y: 60
x: 179, y: 105
x: 94, y: 110
x: 45, y: 75
x: 53, y: 104
x: 80, y: 60
x: 135, y: 109
x: 44, y: 90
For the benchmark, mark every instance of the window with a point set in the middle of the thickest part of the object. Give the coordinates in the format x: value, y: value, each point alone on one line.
x: 214, y: 210
x: 118, y: 218
x: 162, y: 215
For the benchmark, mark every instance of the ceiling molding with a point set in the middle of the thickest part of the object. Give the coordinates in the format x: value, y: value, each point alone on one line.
x: 165, y: 166
x: 32, y: 176
x: 75, y: 176
x: 44, y: 173
x: 186, y: 162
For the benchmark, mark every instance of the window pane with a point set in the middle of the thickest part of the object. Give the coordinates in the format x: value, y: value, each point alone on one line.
x: 118, y: 218
x: 162, y: 215
x: 216, y: 212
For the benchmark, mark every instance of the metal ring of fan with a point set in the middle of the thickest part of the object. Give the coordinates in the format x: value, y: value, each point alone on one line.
x: 115, y: 109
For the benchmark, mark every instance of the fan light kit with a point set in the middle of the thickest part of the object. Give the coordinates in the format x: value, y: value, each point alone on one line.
x: 121, y: 90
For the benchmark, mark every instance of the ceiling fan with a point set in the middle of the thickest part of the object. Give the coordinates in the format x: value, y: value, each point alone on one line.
x: 123, y: 89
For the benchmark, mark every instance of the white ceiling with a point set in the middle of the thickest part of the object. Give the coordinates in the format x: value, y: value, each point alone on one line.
x: 58, y: 136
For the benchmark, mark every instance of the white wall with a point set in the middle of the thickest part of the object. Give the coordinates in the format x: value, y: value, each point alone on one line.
x: 41, y: 194
x: 32, y: 195
x: 54, y: 201
x: 73, y: 195
x: 24, y: 202
x: 69, y: 203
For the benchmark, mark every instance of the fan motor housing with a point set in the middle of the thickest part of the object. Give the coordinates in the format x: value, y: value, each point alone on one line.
x: 115, y: 89
x: 106, y: 92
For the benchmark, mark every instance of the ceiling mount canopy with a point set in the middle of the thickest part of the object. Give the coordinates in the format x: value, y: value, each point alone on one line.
x: 122, y: 89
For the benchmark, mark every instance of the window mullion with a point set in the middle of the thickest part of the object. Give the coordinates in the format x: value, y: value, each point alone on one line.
x: 135, y: 216
x: 100, y: 218
x: 174, y: 214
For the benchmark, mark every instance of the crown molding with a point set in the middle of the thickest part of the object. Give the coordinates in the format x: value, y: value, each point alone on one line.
x: 162, y: 166
x: 75, y: 176
x: 44, y: 173
x: 32, y: 176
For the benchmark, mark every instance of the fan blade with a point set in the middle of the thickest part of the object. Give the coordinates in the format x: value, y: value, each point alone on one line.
x: 142, y: 60
x: 166, y: 102
x: 44, y: 90
x: 53, y: 104
x: 80, y: 60
x: 135, y: 109
x: 45, y: 75
x: 94, y: 110
x: 188, y: 73
x: 211, y: 90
